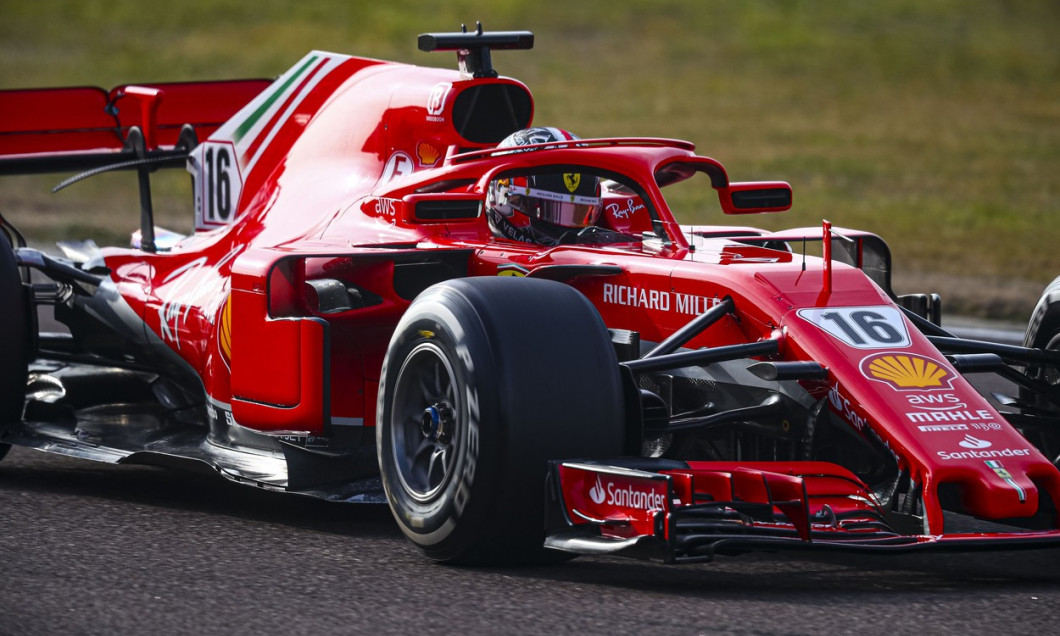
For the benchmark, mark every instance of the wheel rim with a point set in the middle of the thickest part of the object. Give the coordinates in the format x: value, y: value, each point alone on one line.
x: 425, y: 427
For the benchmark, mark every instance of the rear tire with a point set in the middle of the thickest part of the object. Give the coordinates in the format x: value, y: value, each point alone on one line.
x: 485, y: 380
x: 14, y: 340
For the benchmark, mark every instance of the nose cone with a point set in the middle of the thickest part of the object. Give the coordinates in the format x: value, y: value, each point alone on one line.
x: 1001, y: 490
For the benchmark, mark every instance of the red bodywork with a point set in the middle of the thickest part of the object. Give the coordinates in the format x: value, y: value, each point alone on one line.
x: 324, y: 173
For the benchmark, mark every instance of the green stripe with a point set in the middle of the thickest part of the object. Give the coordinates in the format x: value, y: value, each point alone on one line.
x: 256, y: 115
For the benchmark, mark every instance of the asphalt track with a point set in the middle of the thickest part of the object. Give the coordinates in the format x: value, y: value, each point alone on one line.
x: 89, y: 548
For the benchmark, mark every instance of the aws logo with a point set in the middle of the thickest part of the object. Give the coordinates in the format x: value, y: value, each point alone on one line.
x: 907, y: 371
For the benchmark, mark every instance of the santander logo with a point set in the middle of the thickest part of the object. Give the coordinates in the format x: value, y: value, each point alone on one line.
x: 597, y: 493
x: 974, y: 443
x: 627, y: 496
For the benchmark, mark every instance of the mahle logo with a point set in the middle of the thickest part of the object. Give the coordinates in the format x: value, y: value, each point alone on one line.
x: 906, y: 371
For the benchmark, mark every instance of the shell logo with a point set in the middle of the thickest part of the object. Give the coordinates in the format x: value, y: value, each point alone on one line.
x: 224, y: 332
x: 427, y: 153
x: 907, y: 371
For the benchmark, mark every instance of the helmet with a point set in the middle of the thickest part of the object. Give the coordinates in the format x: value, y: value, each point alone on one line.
x: 541, y: 208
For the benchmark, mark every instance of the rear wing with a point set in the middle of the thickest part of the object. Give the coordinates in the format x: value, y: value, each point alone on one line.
x: 90, y: 130
x: 85, y: 128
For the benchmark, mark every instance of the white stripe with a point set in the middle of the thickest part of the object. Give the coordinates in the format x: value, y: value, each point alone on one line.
x: 1022, y: 494
x: 227, y: 131
x: 559, y: 197
x: 332, y: 64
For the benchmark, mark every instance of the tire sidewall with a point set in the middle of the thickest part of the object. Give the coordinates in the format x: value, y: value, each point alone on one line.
x: 534, y: 364
x: 1045, y: 319
x: 1043, y: 329
x: 14, y: 327
x: 442, y: 525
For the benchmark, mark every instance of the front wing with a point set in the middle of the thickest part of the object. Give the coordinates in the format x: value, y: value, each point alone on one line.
x: 686, y: 512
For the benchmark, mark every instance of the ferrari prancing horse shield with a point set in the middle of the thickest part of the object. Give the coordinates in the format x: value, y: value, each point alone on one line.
x: 572, y: 180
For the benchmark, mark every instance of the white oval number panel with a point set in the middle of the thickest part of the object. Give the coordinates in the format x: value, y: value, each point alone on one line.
x: 877, y: 327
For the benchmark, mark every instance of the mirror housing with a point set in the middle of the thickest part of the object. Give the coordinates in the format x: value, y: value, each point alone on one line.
x: 755, y: 197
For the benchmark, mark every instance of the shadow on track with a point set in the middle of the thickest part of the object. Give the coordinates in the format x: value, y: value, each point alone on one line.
x: 33, y: 472
x: 794, y: 576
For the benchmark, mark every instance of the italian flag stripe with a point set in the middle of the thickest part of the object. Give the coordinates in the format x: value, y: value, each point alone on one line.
x: 252, y: 149
x: 249, y: 122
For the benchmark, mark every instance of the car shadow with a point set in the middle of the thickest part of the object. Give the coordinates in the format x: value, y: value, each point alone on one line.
x: 31, y: 471
x: 803, y: 577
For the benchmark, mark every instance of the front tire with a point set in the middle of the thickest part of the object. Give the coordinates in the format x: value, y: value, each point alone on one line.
x: 1043, y: 332
x: 14, y: 340
x: 485, y: 380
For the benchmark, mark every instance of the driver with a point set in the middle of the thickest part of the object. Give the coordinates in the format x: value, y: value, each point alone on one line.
x: 547, y: 208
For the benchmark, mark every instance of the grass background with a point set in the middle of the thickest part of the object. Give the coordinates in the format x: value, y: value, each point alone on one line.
x: 934, y: 123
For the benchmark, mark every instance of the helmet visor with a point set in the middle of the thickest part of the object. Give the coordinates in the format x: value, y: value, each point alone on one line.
x: 566, y: 210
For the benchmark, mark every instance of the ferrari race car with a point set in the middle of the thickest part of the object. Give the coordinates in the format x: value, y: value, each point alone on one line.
x: 399, y: 291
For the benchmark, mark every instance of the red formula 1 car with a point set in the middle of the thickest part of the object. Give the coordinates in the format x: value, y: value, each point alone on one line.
x: 398, y: 291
